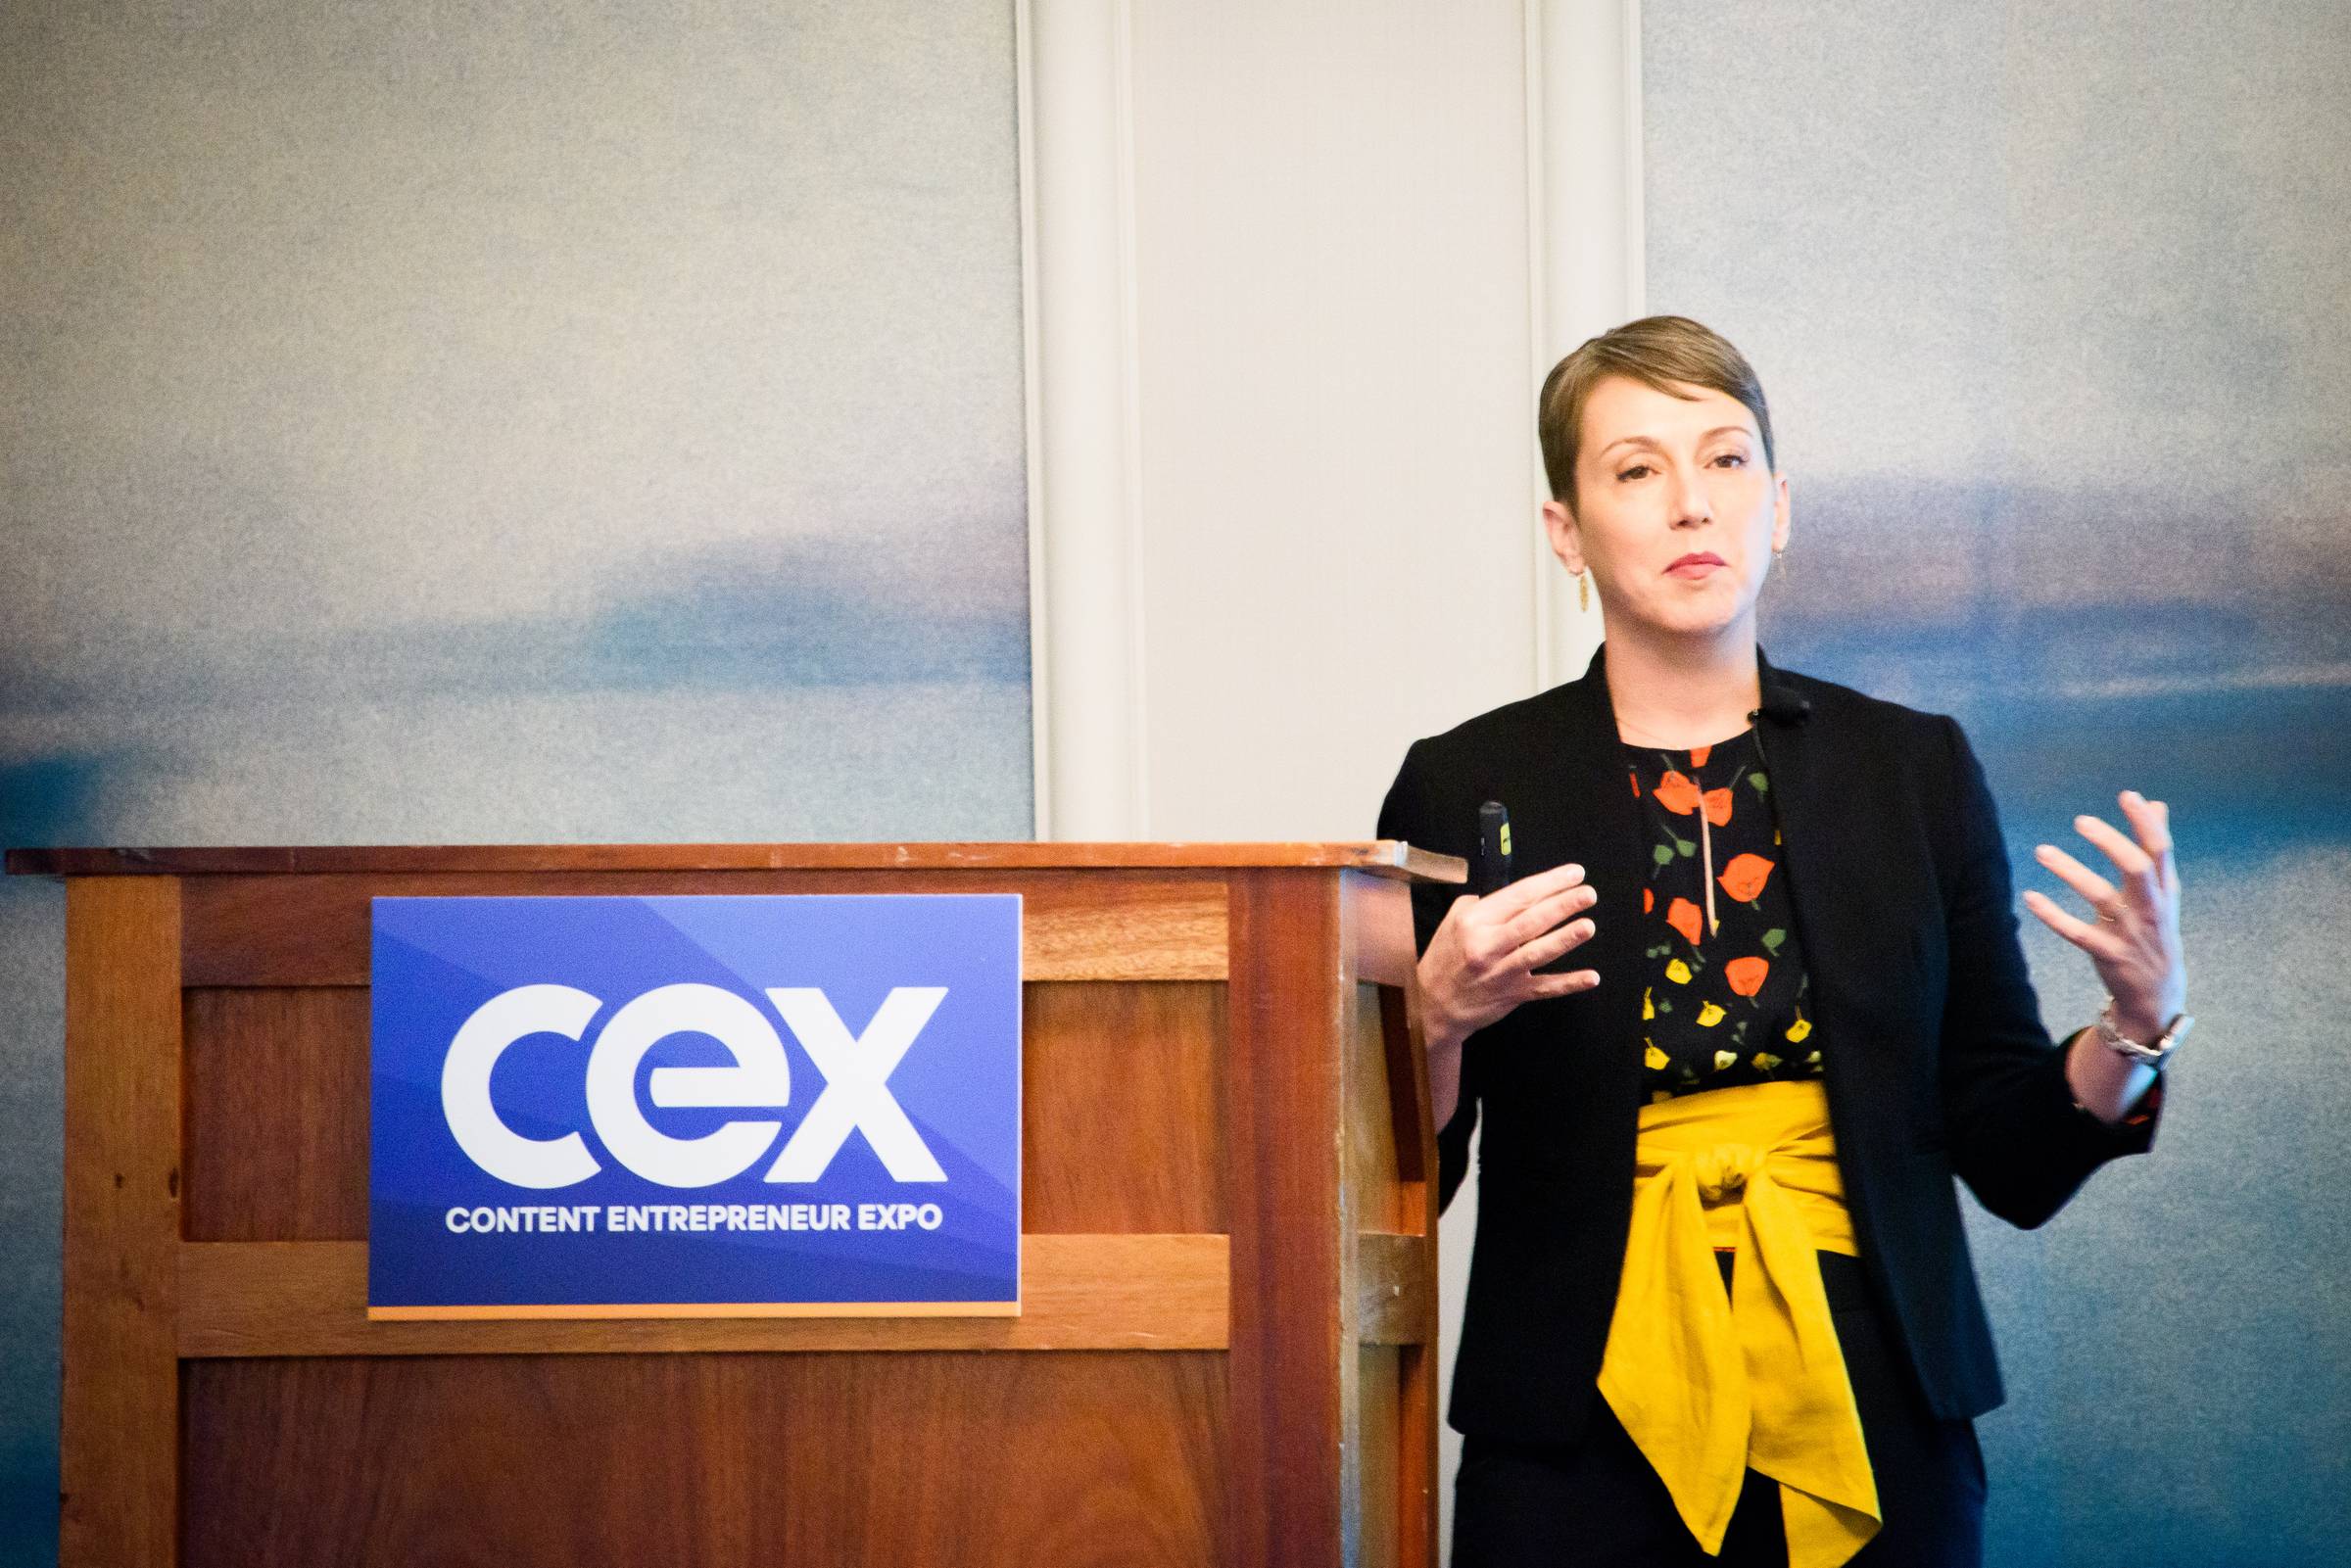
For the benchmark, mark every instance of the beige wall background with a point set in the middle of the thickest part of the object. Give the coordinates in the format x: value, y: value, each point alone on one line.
x: 1296, y: 270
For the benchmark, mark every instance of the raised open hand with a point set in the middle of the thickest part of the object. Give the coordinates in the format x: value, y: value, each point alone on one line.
x: 2133, y: 940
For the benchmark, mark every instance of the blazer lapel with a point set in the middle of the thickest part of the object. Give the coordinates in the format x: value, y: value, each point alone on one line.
x: 1809, y: 810
x: 1832, y: 870
x: 1598, y: 824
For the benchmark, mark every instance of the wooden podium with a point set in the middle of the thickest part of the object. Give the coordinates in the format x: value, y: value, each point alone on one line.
x: 1228, y: 1351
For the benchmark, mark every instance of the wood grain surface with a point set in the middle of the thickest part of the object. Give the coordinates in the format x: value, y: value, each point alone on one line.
x: 1395, y: 1289
x: 1387, y: 1523
x: 118, y: 1443
x: 277, y: 1114
x: 1375, y: 1191
x: 1137, y: 1293
x: 1076, y: 926
x: 1418, y: 1511
x: 1379, y: 931
x: 888, y: 1460
x: 1381, y: 857
x: 1122, y: 1125
x: 1284, y: 1086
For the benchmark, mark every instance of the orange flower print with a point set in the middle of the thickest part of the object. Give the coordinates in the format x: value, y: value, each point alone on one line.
x: 1648, y: 899
x: 1682, y: 916
x: 1636, y: 779
x: 1676, y: 794
x: 1718, y: 807
x: 1699, y: 755
x: 1745, y: 974
x: 1743, y: 878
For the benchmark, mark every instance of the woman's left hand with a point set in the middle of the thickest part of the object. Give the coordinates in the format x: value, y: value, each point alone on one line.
x: 2134, y: 940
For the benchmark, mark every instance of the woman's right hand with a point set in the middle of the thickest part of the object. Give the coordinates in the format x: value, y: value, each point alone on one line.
x: 1482, y: 962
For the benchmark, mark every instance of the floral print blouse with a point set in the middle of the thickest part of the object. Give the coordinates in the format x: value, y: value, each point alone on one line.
x: 1725, y: 997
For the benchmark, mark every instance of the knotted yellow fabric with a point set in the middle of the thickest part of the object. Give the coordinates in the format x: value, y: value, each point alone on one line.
x: 1710, y: 1386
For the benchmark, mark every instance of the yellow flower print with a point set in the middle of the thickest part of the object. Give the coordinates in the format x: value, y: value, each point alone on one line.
x: 1655, y: 1060
x: 1723, y: 1059
x: 1649, y: 1009
x: 1678, y: 973
x: 1798, y: 1029
x: 1710, y: 1015
x: 1659, y: 1096
x: 1765, y: 1061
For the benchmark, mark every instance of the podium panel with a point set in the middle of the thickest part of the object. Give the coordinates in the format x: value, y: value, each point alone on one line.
x: 553, y: 1461
x: 1227, y: 1348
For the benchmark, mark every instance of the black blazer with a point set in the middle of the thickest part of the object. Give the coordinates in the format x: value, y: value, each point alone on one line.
x: 1935, y: 1056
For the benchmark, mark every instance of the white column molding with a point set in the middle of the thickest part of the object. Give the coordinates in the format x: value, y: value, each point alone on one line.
x: 1585, y: 234
x: 1584, y: 275
x: 1086, y: 607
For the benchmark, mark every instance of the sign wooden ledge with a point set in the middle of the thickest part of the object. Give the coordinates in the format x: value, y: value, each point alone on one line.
x: 1081, y: 1292
x: 1379, y: 857
x: 1164, y: 1292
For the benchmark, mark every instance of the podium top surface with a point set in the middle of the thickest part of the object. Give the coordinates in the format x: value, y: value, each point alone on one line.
x: 1381, y: 856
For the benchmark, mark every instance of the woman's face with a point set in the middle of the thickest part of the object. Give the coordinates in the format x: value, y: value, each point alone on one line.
x: 1676, y: 514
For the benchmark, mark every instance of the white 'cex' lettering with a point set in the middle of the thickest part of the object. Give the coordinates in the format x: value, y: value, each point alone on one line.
x: 856, y: 1070
x: 488, y: 1142
x: 760, y: 1076
x: 856, y: 1096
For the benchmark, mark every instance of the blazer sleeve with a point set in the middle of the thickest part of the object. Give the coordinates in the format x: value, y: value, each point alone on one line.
x: 2016, y: 1136
x: 1411, y: 813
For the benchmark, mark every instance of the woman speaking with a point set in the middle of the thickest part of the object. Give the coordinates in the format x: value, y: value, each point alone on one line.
x: 1760, y: 1001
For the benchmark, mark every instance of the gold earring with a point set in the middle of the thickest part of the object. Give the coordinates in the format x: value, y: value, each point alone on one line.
x: 1583, y: 591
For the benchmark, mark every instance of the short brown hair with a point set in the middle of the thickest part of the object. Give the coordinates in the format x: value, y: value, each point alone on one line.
x: 1665, y: 351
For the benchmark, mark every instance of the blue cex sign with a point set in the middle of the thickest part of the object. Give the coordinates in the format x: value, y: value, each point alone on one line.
x: 731, y: 1106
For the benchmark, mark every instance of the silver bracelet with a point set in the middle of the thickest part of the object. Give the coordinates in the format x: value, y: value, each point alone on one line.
x: 2156, y: 1052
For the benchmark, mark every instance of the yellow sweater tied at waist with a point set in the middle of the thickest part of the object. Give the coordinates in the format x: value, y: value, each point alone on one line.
x: 1710, y: 1386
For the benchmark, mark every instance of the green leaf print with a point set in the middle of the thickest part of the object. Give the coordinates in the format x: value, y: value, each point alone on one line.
x: 1663, y: 855
x: 1761, y: 784
x: 1773, y: 938
x: 1683, y: 847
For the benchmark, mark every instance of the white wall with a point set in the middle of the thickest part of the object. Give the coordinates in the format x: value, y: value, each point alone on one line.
x: 1298, y: 270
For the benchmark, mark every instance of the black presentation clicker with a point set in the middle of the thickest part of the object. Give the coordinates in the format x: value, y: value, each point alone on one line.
x: 1493, y: 848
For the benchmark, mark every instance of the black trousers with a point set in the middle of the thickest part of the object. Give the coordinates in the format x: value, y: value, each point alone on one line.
x: 1598, y: 1503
